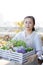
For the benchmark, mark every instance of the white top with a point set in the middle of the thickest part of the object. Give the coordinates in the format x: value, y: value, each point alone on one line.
x: 33, y: 40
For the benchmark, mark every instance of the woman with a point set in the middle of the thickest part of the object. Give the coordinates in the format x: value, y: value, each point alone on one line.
x: 31, y: 38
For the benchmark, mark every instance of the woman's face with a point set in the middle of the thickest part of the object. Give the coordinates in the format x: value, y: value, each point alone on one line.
x: 28, y: 23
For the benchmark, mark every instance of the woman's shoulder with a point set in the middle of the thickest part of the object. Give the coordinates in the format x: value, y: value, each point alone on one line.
x: 36, y: 35
x: 18, y: 35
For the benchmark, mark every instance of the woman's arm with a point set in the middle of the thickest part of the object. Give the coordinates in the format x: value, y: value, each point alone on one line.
x: 32, y: 58
x: 38, y: 45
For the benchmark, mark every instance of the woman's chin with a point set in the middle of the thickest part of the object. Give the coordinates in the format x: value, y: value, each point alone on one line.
x: 27, y: 28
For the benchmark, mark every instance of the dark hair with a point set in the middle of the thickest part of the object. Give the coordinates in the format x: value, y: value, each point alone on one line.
x: 32, y: 19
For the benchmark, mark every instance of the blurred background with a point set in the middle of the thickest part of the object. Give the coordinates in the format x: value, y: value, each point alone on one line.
x: 12, y: 13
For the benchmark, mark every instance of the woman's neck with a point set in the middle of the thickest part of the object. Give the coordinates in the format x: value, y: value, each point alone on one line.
x: 28, y: 32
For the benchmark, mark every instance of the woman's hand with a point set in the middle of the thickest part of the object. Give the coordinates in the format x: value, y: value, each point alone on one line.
x: 32, y: 58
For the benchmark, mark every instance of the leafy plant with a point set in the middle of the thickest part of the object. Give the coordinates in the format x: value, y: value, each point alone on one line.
x: 29, y: 49
x: 5, y: 48
x: 18, y: 43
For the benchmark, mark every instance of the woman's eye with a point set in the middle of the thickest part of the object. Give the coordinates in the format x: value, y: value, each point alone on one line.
x: 26, y: 22
x: 30, y: 22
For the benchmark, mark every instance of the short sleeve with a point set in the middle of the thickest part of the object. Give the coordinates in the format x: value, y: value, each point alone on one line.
x: 38, y: 43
